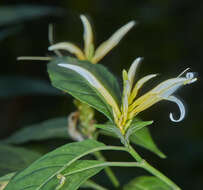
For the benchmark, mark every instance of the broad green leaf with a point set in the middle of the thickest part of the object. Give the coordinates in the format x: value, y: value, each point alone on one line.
x: 22, y: 86
x: 47, y: 172
x: 20, y: 13
x: 15, y: 158
x: 73, y: 83
x: 53, y: 128
x: 143, y: 138
x: 78, y: 172
x: 146, y: 183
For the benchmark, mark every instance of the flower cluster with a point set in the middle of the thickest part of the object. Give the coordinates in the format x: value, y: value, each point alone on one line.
x: 89, y: 53
x: 130, y: 105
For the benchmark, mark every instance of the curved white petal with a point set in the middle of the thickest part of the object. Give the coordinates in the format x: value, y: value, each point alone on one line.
x: 109, y: 44
x: 181, y: 107
x: 51, y: 38
x: 132, y: 70
x: 95, y: 83
x: 87, y: 35
x: 169, y: 86
x: 72, y: 48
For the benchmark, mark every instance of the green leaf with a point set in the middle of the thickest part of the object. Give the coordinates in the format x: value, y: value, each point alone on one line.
x: 78, y: 172
x: 146, y: 183
x: 20, y: 13
x: 15, y: 158
x: 53, y: 128
x: 23, y: 86
x: 50, y: 171
x: 4, y: 33
x: 76, y: 85
x: 143, y: 138
x: 7, y: 177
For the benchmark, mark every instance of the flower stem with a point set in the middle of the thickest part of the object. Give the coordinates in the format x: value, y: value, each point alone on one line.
x: 108, y: 170
x: 145, y: 165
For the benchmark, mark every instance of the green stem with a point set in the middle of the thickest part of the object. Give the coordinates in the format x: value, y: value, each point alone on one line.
x: 108, y: 170
x: 144, y: 164
x: 93, y: 185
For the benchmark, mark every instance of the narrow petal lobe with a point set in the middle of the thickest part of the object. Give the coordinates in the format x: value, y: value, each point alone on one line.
x: 68, y: 47
x: 106, y: 46
x: 88, y: 35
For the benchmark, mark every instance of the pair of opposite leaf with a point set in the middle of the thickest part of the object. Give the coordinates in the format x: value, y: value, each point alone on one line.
x: 130, y: 106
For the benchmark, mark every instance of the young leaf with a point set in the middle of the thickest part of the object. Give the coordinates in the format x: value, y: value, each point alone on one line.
x: 136, y: 126
x: 53, y: 128
x: 49, y: 171
x: 146, y: 183
x: 75, y: 84
x: 143, y: 138
x: 112, y: 130
x: 15, y: 158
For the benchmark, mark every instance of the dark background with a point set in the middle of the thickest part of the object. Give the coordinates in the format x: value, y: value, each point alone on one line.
x: 169, y: 35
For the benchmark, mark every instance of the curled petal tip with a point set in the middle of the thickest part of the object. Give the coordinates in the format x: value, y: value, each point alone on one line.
x: 82, y: 16
x: 140, y: 59
x: 175, y: 120
x: 181, y: 107
x: 131, y: 23
x: 50, y: 48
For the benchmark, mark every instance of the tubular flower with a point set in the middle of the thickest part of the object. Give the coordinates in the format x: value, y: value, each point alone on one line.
x: 131, y: 106
x: 89, y: 53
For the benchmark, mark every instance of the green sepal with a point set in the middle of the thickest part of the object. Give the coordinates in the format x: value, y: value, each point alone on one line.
x: 135, y: 126
x: 112, y: 130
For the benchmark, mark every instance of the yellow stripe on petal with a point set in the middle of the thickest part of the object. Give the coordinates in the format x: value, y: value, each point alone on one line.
x: 95, y: 83
x: 88, y: 35
x: 143, y: 103
x: 138, y: 85
x: 72, y: 48
x: 106, y: 46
